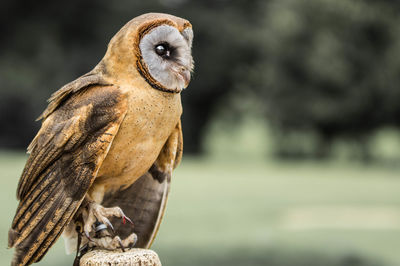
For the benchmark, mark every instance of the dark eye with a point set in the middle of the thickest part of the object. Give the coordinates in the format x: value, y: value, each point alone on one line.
x: 163, y: 50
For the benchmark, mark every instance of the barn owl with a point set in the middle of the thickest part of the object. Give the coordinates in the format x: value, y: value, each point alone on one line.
x: 107, y: 146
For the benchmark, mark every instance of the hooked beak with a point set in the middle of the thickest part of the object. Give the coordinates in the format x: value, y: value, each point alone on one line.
x: 185, y: 74
x: 182, y: 73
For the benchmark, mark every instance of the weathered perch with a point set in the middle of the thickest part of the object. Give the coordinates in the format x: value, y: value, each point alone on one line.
x: 131, y: 257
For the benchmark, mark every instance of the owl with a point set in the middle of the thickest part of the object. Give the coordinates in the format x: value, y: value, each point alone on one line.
x: 107, y: 146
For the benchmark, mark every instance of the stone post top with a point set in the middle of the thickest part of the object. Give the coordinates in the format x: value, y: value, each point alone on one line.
x: 131, y: 257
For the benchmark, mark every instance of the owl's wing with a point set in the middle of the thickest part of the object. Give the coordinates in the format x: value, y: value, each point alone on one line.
x: 65, y: 157
x: 144, y: 201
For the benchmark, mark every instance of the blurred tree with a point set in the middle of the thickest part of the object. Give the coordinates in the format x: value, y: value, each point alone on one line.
x: 47, y: 43
x: 324, y: 69
x: 329, y: 69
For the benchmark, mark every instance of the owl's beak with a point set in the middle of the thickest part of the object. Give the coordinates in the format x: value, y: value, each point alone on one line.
x: 185, y: 74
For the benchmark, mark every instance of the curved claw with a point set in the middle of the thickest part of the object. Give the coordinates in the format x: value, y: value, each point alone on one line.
x: 135, y: 239
x: 126, y: 218
x: 106, y: 221
x: 88, y: 236
x: 120, y: 243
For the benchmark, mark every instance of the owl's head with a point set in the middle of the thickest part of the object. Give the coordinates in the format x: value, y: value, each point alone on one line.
x: 154, y: 47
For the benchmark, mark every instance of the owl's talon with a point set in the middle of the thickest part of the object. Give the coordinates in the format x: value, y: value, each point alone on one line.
x: 109, y: 224
x: 123, y: 216
x: 126, y: 218
x: 120, y: 243
x: 88, y: 236
x: 132, y: 239
x: 97, y: 213
x: 113, y: 243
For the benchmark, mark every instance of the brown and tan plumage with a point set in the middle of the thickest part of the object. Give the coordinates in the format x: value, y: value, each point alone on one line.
x: 110, y: 138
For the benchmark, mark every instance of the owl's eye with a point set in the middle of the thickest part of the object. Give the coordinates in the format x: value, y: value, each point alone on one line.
x: 163, y: 50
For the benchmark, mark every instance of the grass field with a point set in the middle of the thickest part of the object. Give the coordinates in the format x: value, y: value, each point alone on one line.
x: 249, y: 212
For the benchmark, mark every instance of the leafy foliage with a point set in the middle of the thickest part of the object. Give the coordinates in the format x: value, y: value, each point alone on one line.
x: 328, y: 70
x: 323, y: 69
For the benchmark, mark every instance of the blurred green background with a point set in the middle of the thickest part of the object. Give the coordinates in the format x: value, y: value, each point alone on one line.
x: 291, y: 124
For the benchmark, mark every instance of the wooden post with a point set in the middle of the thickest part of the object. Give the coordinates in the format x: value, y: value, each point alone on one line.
x: 131, y: 257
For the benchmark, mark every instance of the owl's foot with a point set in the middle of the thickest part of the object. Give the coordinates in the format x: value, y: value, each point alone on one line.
x: 96, y: 212
x: 106, y: 241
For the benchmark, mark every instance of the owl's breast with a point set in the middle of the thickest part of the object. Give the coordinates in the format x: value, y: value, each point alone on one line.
x: 151, y: 117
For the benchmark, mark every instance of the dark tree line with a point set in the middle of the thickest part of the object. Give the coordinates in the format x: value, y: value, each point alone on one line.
x: 324, y: 68
x: 331, y: 70
x: 45, y: 44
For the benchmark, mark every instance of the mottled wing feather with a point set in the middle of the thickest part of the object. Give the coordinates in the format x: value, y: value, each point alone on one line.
x: 65, y: 157
x: 89, y: 79
x: 179, y: 145
x: 141, y: 202
x: 144, y: 201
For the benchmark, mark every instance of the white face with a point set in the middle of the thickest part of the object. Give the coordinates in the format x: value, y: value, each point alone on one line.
x: 167, y: 55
